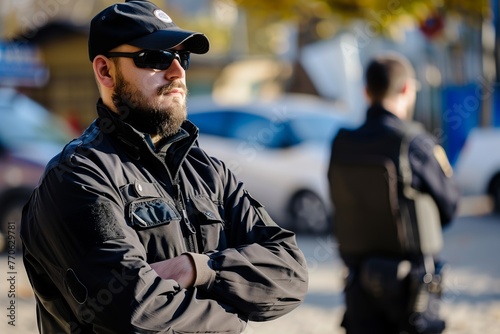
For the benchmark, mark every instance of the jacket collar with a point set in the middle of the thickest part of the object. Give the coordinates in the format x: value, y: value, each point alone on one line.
x: 377, y: 113
x: 377, y: 110
x: 137, y: 143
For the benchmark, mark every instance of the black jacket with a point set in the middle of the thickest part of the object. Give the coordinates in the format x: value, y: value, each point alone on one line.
x: 109, y: 205
x: 382, y: 134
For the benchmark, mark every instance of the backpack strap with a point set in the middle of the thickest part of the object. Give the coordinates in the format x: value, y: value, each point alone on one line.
x: 406, y: 173
x: 408, y: 191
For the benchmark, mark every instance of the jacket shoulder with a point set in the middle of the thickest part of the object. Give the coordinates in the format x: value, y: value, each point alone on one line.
x: 77, y: 150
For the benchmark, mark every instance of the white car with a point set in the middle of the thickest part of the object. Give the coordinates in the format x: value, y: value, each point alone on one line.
x: 279, y: 149
x: 477, y: 170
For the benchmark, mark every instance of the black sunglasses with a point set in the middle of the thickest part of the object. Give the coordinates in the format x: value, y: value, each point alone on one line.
x: 155, y: 59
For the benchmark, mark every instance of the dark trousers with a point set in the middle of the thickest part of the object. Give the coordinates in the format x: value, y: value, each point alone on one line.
x: 387, y: 307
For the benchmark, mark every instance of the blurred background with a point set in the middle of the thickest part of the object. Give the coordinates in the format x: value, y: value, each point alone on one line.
x: 280, y: 79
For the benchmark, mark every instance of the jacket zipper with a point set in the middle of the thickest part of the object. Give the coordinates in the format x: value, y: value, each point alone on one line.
x: 190, y: 231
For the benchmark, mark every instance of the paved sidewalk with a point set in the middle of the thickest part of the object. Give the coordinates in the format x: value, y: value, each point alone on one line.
x: 471, y: 303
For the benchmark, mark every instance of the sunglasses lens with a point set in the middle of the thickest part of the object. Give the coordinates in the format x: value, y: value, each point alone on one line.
x: 154, y: 59
x: 160, y: 60
x: 184, y: 59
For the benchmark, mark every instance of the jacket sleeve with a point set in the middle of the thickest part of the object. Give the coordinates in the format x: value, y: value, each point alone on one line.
x: 78, y: 234
x: 263, y: 273
x: 433, y: 174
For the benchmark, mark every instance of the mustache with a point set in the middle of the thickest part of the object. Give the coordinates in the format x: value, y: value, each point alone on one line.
x: 177, y: 84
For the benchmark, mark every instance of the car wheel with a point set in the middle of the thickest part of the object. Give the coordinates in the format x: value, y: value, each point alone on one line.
x: 308, y: 213
x: 10, y: 222
x: 495, y: 194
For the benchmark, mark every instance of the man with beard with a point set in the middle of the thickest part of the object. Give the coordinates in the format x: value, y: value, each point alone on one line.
x: 133, y: 227
x: 392, y: 189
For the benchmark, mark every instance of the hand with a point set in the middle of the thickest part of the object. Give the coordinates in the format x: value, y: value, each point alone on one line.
x: 180, y: 268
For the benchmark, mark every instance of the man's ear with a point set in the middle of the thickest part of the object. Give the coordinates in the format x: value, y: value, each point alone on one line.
x: 405, y: 88
x: 368, y: 96
x: 102, y: 70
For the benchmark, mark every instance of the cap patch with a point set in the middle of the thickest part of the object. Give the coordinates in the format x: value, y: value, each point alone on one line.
x: 162, y: 16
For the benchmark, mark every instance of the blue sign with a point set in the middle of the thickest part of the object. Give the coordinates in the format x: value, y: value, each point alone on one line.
x: 495, y: 8
x: 21, y: 65
x: 461, y: 113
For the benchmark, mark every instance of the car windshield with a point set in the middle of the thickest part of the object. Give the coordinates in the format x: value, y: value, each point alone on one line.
x: 246, y: 127
x: 314, y: 128
x: 273, y: 133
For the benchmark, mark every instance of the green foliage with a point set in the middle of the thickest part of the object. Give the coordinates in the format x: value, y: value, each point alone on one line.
x: 393, y: 10
x: 277, y: 9
x: 321, y: 19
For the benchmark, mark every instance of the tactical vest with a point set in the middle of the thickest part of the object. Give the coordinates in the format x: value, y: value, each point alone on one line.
x: 377, y: 211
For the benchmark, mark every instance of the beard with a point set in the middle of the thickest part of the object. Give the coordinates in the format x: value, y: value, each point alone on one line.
x: 147, y: 116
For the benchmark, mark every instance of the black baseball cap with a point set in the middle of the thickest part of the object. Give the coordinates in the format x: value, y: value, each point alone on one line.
x: 141, y: 24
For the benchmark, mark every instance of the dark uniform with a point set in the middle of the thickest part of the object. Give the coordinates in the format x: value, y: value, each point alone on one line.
x: 110, y: 204
x: 380, y: 292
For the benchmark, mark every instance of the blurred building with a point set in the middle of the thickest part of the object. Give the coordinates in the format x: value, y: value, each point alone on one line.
x: 58, y: 31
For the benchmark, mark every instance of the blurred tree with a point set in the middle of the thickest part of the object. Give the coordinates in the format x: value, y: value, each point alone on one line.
x: 391, y: 10
x: 321, y: 19
x: 387, y: 16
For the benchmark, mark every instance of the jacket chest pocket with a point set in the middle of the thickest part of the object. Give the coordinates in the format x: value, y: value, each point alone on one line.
x: 212, y: 228
x: 155, y: 218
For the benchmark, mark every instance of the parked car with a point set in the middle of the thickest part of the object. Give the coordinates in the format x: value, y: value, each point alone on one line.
x: 477, y: 169
x: 280, y: 149
x: 29, y: 137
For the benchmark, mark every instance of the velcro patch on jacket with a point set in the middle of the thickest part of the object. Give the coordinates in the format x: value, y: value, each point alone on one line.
x: 442, y: 159
x: 105, y: 223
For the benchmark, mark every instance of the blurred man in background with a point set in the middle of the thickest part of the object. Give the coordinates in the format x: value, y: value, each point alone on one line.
x: 392, y: 191
x: 134, y: 228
